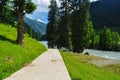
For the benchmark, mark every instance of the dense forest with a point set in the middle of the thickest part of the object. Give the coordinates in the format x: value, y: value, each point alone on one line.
x: 70, y: 28
x: 106, y: 21
x: 74, y: 29
x: 106, y: 13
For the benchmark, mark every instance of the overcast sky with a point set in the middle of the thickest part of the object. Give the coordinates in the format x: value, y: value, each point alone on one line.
x: 42, y: 5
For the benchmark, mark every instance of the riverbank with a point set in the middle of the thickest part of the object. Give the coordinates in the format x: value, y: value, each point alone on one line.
x: 81, y: 68
x: 105, y: 62
x: 106, y: 54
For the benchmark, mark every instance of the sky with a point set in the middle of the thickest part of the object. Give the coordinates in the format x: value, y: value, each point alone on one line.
x: 41, y: 12
x: 42, y: 5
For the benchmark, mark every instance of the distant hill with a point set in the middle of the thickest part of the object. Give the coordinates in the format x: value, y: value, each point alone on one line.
x: 36, y: 25
x: 39, y: 15
x: 105, y: 13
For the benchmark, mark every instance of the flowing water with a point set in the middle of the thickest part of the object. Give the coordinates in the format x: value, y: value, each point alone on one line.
x: 106, y: 54
x: 44, y: 43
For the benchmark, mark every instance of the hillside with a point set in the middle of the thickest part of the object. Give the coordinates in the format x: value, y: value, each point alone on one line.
x: 39, y: 15
x: 38, y: 26
x: 12, y: 56
x: 105, y: 13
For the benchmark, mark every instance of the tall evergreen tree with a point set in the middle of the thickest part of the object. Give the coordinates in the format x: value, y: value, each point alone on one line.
x: 106, y: 39
x: 115, y: 40
x: 63, y: 28
x: 20, y: 8
x: 4, y: 10
x: 52, y: 24
x: 2, y: 3
x: 79, y: 24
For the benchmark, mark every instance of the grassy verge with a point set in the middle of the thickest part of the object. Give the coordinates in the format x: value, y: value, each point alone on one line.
x: 79, y: 69
x: 12, y: 56
x: 115, y: 68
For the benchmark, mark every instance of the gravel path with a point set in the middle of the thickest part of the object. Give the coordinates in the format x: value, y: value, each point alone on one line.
x: 48, y: 66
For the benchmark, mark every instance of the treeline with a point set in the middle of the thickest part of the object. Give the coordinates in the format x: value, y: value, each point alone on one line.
x: 32, y: 33
x: 70, y: 27
x: 6, y: 14
x: 106, y: 15
x: 69, y: 24
x: 105, y: 39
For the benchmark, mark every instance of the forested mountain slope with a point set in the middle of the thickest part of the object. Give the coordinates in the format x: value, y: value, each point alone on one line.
x: 106, y: 13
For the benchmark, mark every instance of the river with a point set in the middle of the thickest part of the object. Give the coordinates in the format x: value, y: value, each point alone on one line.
x: 44, y: 43
x: 106, y: 54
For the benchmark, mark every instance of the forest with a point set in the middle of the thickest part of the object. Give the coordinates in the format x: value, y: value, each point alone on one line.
x: 71, y: 26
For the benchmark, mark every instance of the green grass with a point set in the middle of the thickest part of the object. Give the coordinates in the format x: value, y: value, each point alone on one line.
x: 115, y: 68
x: 12, y: 56
x: 79, y: 69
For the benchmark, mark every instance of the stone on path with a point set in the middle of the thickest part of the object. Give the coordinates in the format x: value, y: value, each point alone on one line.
x: 48, y: 66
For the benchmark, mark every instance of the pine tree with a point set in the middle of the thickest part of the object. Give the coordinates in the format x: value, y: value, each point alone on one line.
x: 106, y: 39
x: 115, y: 41
x: 52, y: 24
x: 96, y: 42
x: 20, y: 8
x: 79, y: 24
x: 2, y: 4
x: 5, y: 12
x: 63, y: 28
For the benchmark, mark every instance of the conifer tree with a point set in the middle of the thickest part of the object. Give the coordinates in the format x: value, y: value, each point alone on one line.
x: 52, y: 24
x: 20, y: 8
x: 106, y: 39
x: 4, y: 10
x: 2, y: 3
x: 79, y: 24
x: 63, y: 28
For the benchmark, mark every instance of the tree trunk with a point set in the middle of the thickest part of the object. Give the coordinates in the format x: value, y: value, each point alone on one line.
x: 20, y: 30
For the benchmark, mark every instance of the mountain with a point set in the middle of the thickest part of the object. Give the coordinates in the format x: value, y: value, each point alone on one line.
x: 105, y: 13
x: 39, y: 15
x: 37, y: 25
